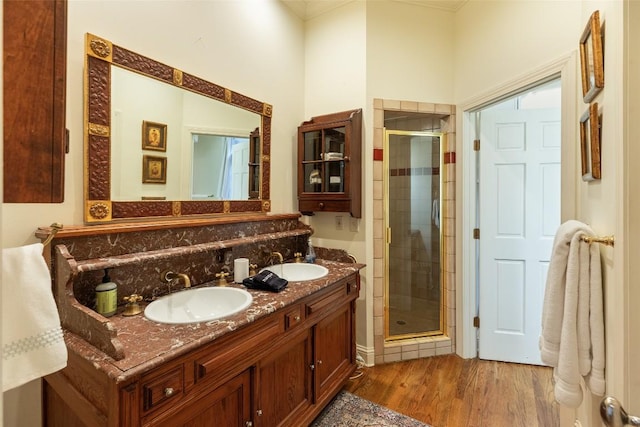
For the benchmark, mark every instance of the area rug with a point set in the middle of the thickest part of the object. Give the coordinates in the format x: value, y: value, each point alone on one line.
x: 349, y: 410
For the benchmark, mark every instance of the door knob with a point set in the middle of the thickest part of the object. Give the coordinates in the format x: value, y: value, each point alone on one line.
x: 614, y: 415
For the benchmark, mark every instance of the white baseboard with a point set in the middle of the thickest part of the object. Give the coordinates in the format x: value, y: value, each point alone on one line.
x: 367, y: 353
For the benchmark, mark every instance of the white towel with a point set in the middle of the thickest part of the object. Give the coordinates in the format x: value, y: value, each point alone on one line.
x: 32, y: 341
x: 572, y: 338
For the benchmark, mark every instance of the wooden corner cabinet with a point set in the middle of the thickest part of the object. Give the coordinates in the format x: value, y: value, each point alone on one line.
x: 34, y: 67
x: 280, y: 370
x: 254, y: 164
x: 330, y: 163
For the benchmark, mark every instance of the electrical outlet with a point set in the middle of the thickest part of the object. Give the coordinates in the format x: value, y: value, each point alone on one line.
x: 354, y: 225
x: 339, y: 222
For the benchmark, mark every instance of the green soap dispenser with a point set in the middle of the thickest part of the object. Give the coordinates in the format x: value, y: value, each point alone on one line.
x: 107, y: 296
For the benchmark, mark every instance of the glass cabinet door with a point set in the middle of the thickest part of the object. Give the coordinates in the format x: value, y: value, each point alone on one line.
x: 254, y: 164
x: 323, y: 160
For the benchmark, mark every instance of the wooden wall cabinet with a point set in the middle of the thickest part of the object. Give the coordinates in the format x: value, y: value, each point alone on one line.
x: 329, y: 164
x: 278, y: 371
x: 254, y: 164
x: 34, y: 66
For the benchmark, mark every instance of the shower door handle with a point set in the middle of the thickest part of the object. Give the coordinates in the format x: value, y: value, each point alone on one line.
x: 388, y: 235
x: 614, y: 415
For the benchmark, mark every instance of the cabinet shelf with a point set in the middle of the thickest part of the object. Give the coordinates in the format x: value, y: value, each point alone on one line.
x: 329, y: 163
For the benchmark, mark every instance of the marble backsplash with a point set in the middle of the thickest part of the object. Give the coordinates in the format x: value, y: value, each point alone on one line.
x: 136, y: 256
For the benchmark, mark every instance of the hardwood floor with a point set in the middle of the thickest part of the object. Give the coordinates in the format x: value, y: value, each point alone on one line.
x: 448, y: 391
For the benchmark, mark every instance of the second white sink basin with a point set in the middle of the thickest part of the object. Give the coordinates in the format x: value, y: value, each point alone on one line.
x: 298, y: 272
x: 198, y: 305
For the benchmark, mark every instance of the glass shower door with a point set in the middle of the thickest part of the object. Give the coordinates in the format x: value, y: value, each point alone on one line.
x: 414, y: 297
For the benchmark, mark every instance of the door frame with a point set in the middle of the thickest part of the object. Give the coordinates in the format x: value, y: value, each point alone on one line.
x: 387, y: 241
x: 565, y: 68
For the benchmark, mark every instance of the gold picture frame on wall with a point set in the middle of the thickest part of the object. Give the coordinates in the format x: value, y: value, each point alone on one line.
x: 154, y: 136
x: 590, y: 143
x: 592, y: 58
x: 154, y: 170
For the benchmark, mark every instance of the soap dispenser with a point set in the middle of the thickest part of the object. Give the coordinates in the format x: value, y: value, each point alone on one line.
x: 310, y: 256
x: 107, y: 296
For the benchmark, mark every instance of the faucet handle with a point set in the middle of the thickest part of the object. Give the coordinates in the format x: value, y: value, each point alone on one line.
x: 132, y: 307
x: 222, y: 281
x: 298, y: 256
x: 133, y: 298
x: 252, y: 269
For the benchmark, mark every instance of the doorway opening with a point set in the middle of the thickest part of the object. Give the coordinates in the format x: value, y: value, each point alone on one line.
x: 414, y: 297
x: 517, y: 212
x: 219, y: 165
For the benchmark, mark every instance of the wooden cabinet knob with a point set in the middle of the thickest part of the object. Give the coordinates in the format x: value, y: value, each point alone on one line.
x: 321, y: 205
x: 168, y: 392
x: 259, y: 412
x: 297, y: 318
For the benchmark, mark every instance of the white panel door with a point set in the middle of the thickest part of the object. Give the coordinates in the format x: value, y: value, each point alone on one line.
x: 519, y: 215
x: 240, y: 171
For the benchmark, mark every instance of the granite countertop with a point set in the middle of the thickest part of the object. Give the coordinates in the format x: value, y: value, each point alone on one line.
x: 148, y: 344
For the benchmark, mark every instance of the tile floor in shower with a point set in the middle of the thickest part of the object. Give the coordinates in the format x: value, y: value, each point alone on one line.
x: 413, y: 316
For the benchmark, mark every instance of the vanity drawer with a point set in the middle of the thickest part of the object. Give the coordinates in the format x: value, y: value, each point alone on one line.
x: 216, y: 365
x: 162, y: 388
x: 293, y: 317
x: 333, y: 298
x: 315, y: 205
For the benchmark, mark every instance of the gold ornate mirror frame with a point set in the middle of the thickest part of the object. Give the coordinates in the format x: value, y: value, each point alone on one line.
x: 98, y: 206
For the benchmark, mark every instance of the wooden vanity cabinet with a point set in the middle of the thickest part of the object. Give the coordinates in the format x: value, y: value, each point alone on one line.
x: 280, y: 370
x: 34, y: 67
x: 329, y: 164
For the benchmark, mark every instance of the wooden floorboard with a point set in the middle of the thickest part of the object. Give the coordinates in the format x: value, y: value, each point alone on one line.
x: 448, y: 391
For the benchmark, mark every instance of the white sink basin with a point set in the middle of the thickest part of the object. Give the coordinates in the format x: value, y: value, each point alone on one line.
x: 198, y: 305
x: 298, y: 272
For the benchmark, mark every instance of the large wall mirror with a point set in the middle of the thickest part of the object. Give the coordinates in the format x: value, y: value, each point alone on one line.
x: 161, y: 142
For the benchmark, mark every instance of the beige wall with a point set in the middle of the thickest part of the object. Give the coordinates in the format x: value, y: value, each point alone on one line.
x: 335, y: 70
x: 498, y: 41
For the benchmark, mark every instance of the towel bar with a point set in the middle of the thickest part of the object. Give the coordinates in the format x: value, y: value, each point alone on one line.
x: 55, y: 227
x: 605, y: 240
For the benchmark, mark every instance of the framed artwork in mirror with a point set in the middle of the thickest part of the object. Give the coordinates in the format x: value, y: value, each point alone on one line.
x: 592, y: 58
x: 154, y: 170
x: 154, y: 136
x: 590, y: 143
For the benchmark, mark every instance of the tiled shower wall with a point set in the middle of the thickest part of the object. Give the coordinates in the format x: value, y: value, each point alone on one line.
x: 428, y: 346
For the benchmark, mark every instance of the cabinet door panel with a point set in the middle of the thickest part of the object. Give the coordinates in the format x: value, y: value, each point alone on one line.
x: 333, y: 342
x: 228, y: 405
x: 284, y: 385
x: 34, y: 57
